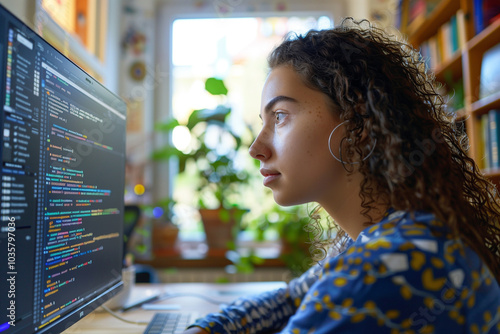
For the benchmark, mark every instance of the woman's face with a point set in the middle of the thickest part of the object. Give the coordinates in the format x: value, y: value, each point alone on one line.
x: 293, y: 143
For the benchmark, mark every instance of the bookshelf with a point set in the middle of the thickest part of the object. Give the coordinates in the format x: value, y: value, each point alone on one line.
x: 434, y: 18
x: 77, y: 28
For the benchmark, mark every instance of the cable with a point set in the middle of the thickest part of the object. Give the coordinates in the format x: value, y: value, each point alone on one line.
x: 123, y: 319
x: 177, y: 295
x: 163, y: 297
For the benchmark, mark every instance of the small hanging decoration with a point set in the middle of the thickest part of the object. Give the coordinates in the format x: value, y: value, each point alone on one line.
x: 137, y: 71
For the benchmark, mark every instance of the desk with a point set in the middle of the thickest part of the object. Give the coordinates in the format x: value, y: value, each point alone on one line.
x: 101, y: 322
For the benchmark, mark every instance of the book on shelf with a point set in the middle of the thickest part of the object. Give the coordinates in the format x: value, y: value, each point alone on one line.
x: 398, y: 22
x: 485, y: 13
x: 480, y: 143
x: 461, y: 29
x: 494, y: 136
x: 433, y: 51
x: 416, y: 12
x: 491, y: 11
x: 485, y: 158
x: 478, y: 16
x: 455, y: 43
x: 401, y: 19
x: 488, y: 145
x: 413, y: 12
x: 416, y: 9
x: 490, y: 72
x: 449, y: 39
x: 420, y: 9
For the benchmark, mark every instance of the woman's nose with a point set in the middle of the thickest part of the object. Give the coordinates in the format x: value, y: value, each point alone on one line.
x: 259, y: 149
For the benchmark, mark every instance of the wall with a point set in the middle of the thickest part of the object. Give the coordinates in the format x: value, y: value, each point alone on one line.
x: 23, y: 9
x: 137, y: 87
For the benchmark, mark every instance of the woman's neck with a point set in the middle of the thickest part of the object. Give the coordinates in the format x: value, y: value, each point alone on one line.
x: 345, y: 207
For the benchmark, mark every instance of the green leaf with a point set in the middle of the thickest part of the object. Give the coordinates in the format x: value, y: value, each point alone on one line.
x: 256, y: 259
x: 215, y: 86
x: 245, y: 267
x: 213, y: 116
x: 231, y: 245
x: 224, y: 216
x: 167, y: 126
x: 166, y: 152
x: 222, y: 280
x: 141, y: 249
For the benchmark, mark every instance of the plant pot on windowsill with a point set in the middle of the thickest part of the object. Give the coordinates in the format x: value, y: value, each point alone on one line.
x: 214, y: 149
x: 295, y: 239
x: 164, y: 238
x: 296, y: 255
x: 221, y: 228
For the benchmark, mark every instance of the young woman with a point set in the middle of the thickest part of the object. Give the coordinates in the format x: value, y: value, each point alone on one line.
x: 352, y: 121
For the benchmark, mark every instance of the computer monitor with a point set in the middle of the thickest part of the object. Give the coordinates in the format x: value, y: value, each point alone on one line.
x: 62, y: 186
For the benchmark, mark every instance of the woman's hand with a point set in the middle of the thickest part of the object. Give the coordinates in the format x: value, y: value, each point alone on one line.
x: 195, y: 330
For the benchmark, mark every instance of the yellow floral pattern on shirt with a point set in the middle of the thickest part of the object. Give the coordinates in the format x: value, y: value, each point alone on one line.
x: 406, y: 274
x: 409, y: 281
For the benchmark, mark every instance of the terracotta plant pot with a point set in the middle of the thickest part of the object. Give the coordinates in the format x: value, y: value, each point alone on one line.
x: 221, y: 227
x: 164, y: 238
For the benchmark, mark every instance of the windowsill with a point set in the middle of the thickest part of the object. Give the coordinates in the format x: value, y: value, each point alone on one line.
x: 195, y: 254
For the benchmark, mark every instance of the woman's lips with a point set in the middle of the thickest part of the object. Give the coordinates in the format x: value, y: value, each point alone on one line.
x: 269, y: 176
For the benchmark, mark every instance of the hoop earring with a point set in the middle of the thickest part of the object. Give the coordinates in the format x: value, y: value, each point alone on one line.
x: 340, y: 148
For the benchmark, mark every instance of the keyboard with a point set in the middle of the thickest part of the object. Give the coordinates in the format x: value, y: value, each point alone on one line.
x: 169, y: 323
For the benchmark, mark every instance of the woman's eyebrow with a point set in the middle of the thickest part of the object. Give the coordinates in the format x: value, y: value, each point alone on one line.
x: 269, y: 106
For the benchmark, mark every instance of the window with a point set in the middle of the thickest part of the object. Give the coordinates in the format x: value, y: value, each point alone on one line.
x: 235, y: 50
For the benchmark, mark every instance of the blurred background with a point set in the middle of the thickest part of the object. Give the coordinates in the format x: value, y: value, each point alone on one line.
x: 191, y: 72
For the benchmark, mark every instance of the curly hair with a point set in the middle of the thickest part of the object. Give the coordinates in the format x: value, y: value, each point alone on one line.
x: 380, y: 85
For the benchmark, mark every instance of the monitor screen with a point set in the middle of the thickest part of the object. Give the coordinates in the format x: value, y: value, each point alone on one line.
x: 62, y: 186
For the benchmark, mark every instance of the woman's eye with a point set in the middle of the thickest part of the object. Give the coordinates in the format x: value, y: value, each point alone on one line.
x: 279, y: 116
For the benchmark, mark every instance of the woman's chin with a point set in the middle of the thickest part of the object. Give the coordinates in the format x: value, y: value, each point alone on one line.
x: 282, y: 200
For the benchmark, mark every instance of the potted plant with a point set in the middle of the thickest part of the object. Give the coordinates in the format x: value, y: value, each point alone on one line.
x: 164, y: 232
x: 214, y: 149
x: 292, y: 225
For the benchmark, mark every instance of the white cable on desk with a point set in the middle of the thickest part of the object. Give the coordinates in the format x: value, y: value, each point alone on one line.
x: 123, y: 319
x: 164, y: 297
x: 187, y: 294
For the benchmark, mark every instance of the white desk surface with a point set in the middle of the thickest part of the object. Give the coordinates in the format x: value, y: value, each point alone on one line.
x: 102, y: 322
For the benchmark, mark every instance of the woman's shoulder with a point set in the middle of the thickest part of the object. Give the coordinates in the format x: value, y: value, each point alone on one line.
x: 405, y: 273
x: 402, y: 244
x: 407, y: 232
x: 410, y: 252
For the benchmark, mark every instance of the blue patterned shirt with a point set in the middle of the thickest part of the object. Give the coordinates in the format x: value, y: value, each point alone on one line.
x: 405, y: 274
